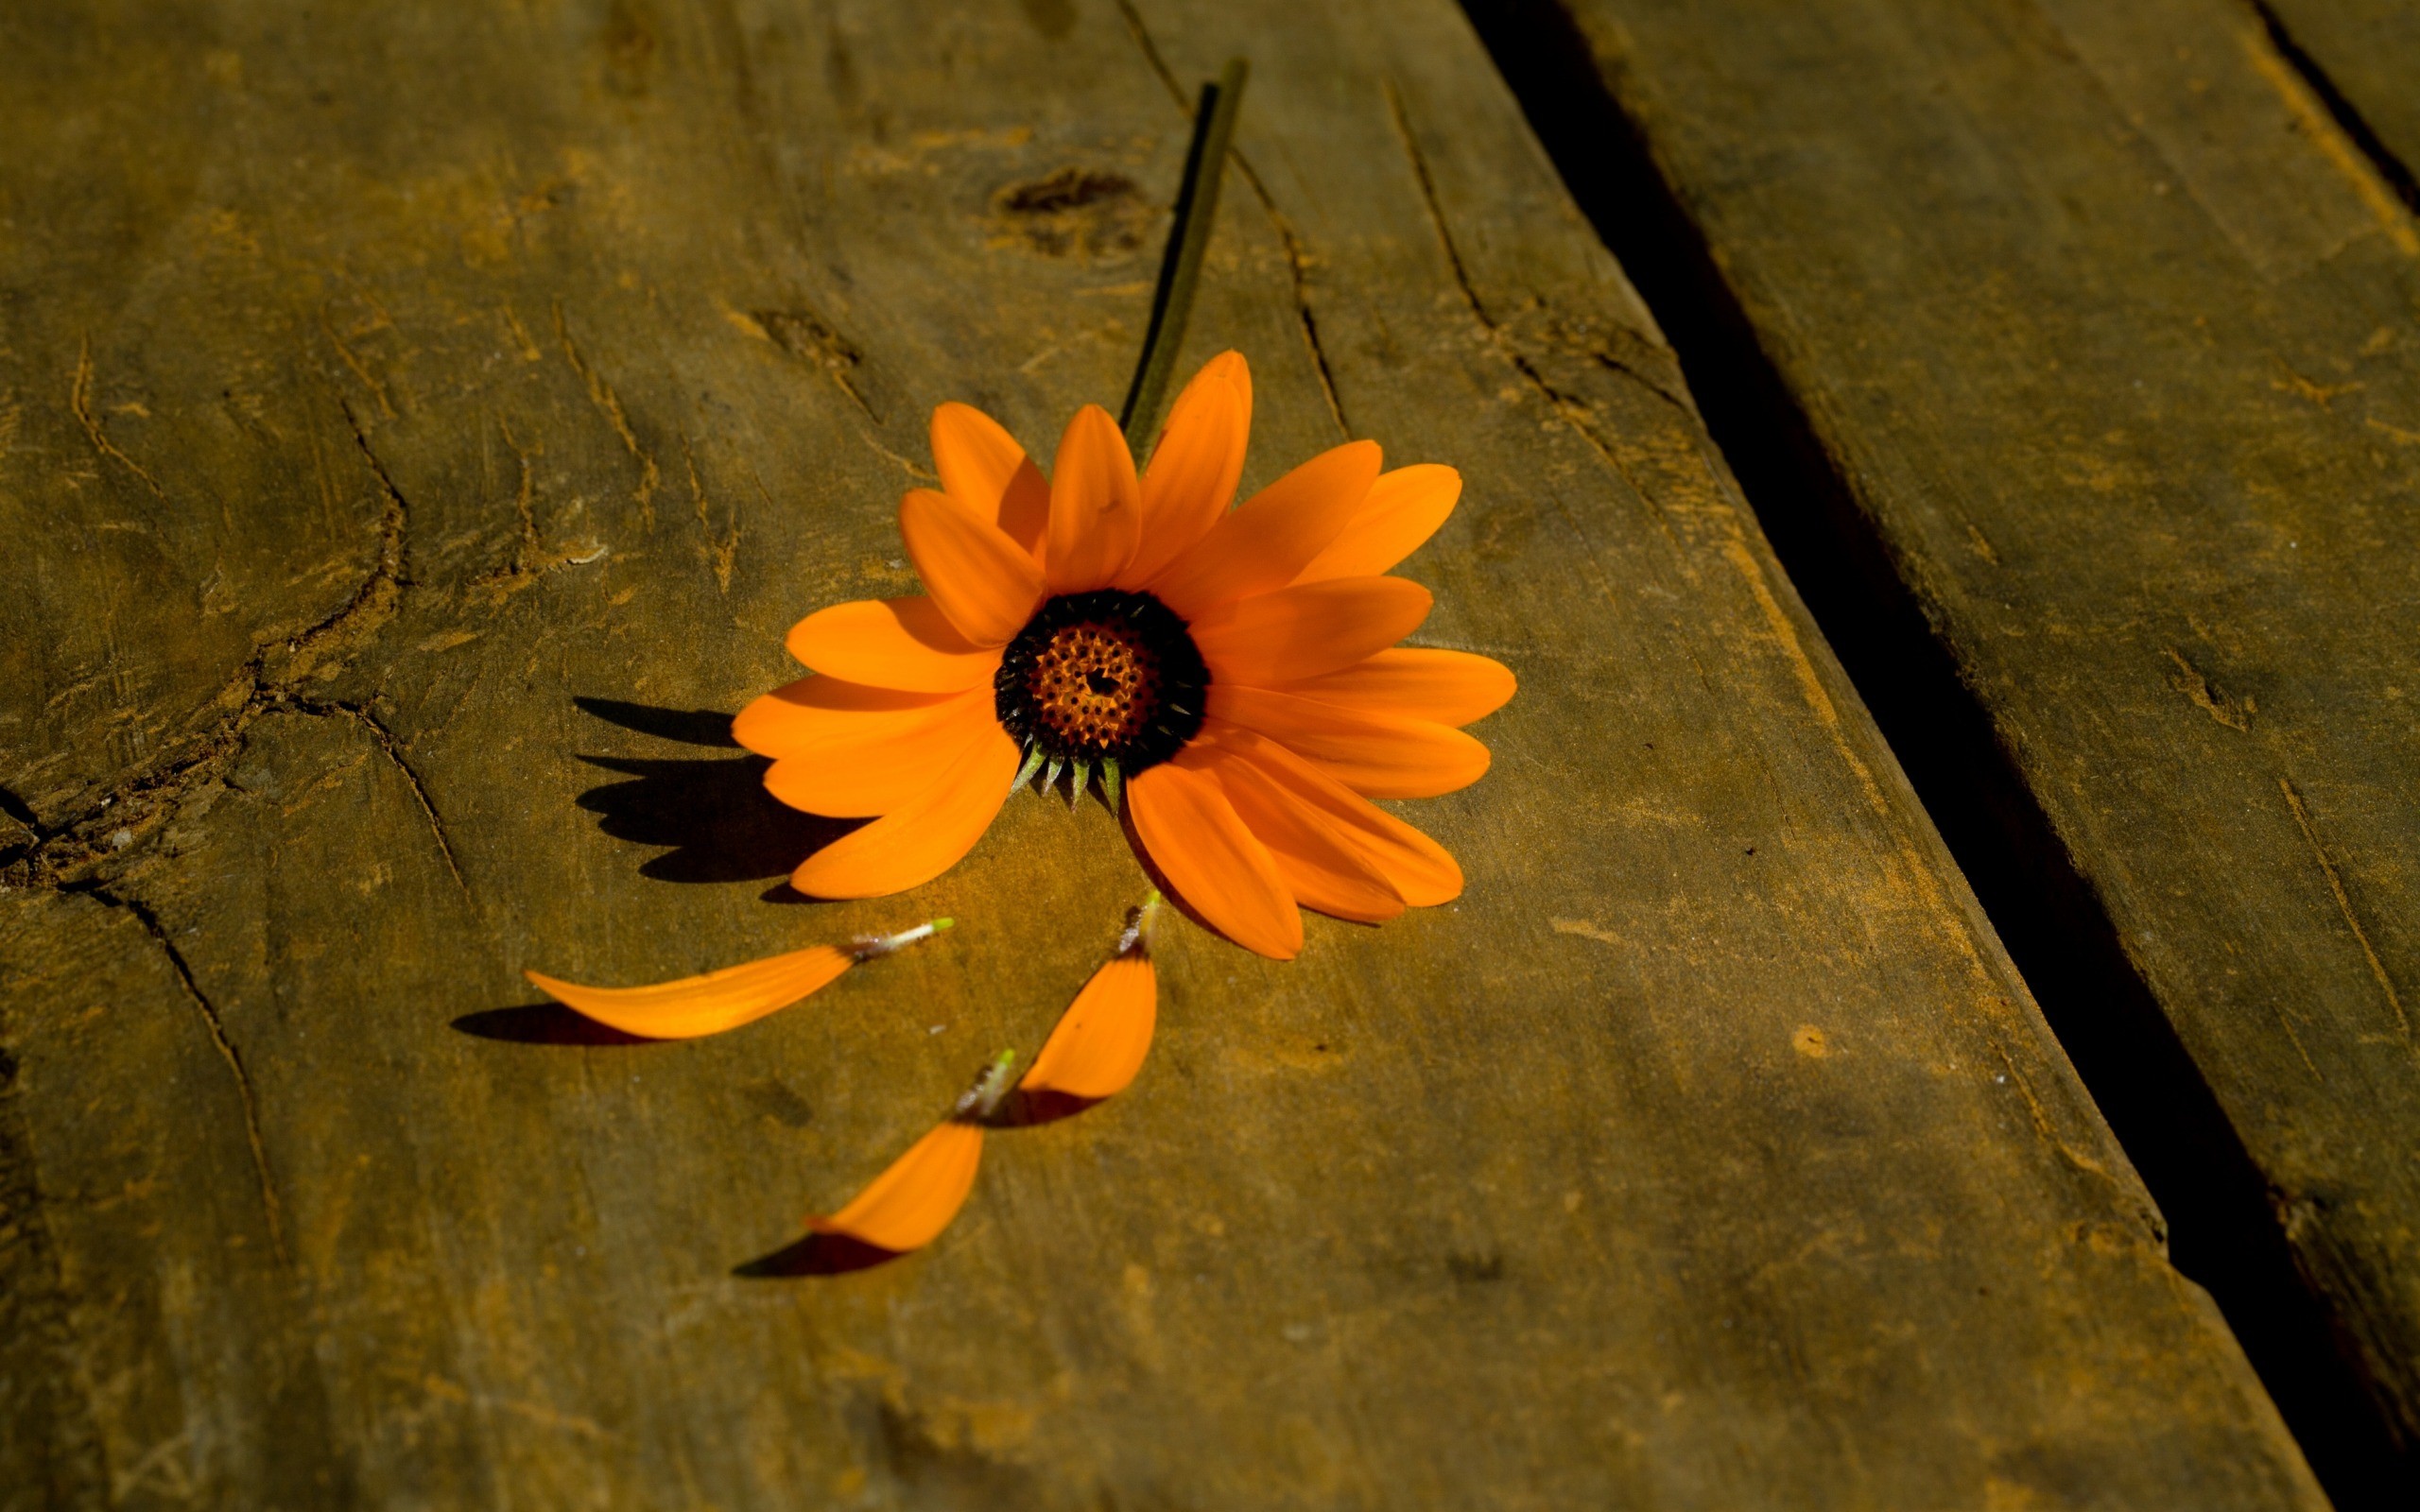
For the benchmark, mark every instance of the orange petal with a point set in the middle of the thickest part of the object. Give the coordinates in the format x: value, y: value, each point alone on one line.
x: 877, y: 764
x: 1195, y: 466
x: 703, y: 1004
x: 906, y: 644
x: 1420, y: 870
x: 1101, y: 1039
x: 1194, y: 837
x: 984, y: 582
x: 799, y: 715
x: 1323, y: 869
x: 1417, y: 682
x: 923, y: 838
x: 1375, y: 755
x: 910, y: 1203
x: 1402, y: 511
x: 1277, y: 533
x: 983, y: 468
x: 1303, y: 633
x: 1095, y: 504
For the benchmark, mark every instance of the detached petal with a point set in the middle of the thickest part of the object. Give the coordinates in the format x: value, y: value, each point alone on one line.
x: 1416, y: 682
x: 1307, y: 631
x: 879, y: 763
x: 1277, y: 533
x: 923, y: 838
x: 983, y: 468
x: 1375, y: 755
x: 1101, y: 1039
x: 984, y: 582
x: 798, y: 714
x: 906, y: 643
x: 1095, y: 505
x: 910, y: 1203
x: 1420, y: 870
x: 1194, y: 467
x: 1325, y: 870
x: 703, y: 1004
x: 1194, y: 837
x: 1403, y: 510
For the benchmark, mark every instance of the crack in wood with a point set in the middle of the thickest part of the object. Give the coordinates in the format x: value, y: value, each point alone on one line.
x: 721, y: 555
x: 2199, y: 693
x: 2348, y: 119
x: 2343, y: 906
x: 270, y: 1207
x: 394, y: 751
x: 609, y: 403
x: 142, y: 802
x: 1568, y: 408
x: 816, y: 341
x: 1297, y: 261
x: 79, y: 399
x: 527, y: 565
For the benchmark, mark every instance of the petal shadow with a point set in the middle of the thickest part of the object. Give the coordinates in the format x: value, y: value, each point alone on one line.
x: 1026, y: 1110
x: 543, y: 1024
x: 816, y: 1255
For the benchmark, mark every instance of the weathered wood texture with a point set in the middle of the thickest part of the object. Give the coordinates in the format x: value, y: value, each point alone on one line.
x: 2106, y: 331
x: 2360, y: 55
x: 380, y: 380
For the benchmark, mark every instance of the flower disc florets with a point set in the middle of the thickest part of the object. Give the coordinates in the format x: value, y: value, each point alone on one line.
x: 1102, y: 676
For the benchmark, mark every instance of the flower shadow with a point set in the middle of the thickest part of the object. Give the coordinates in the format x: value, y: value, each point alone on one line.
x: 712, y: 813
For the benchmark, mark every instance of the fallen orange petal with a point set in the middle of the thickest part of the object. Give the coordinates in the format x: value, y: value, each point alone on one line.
x: 913, y: 1201
x: 726, y: 999
x: 1101, y: 1039
x: 917, y: 1194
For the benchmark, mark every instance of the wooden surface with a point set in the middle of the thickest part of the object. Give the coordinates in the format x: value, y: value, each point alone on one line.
x: 420, y: 425
x: 2360, y: 55
x: 2105, y: 329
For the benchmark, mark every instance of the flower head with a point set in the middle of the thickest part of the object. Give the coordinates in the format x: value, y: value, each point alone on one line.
x: 1234, y: 672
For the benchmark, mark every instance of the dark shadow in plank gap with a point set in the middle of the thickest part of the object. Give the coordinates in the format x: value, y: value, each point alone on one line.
x: 2225, y: 1231
x: 2396, y: 173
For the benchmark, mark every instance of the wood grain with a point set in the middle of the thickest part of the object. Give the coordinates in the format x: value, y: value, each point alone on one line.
x: 426, y: 419
x: 2100, y: 326
x: 2359, y: 56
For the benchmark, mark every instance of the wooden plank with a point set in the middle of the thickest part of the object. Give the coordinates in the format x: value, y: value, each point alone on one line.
x: 2358, y: 55
x: 2099, y: 330
x: 1709, y: 1154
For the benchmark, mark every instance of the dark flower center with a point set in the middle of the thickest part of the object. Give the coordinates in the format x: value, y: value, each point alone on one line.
x: 1102, y: 676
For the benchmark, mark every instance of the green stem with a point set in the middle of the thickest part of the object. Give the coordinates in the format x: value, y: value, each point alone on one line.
x: 1197, y: 208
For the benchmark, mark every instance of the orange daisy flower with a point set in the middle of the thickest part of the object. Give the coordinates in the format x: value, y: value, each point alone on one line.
x: 1234, y: 673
